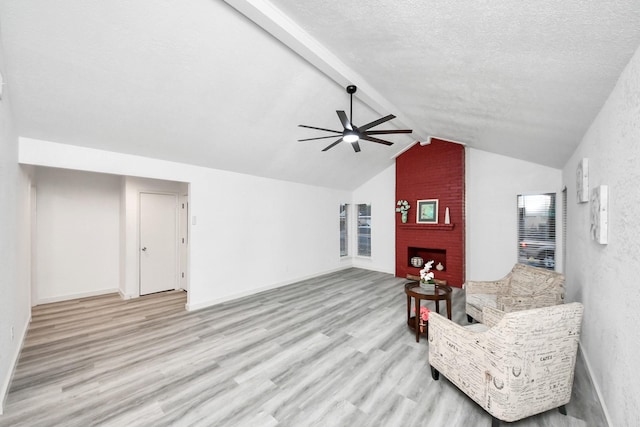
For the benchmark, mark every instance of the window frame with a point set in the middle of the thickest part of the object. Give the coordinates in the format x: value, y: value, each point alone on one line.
x: 537, y: 241
x: 344, y: 228
x: 359, y: 226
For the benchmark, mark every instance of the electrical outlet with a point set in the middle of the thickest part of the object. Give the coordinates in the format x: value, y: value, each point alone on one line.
x: 12, y: 333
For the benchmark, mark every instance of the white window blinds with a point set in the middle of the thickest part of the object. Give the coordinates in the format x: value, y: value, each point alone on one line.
x: 537, y: 230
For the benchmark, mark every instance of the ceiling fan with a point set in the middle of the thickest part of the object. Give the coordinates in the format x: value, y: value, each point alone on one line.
x: 352, y: 133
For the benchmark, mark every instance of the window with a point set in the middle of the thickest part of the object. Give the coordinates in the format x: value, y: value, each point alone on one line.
x: 564, y: 230
x: 537, y: 230
x: 344, y: 235
x: 364, y: 230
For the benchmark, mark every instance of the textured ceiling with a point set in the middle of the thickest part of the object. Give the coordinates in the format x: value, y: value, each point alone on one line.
x: 198, y: 82
x: 523, y: 79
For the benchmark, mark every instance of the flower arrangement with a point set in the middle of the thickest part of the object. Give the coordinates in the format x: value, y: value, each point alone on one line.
x: 424, y: 317
x: 426, y: 276
x: 403, y: 208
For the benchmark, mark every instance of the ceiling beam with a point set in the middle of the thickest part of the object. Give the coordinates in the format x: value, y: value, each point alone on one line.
x: 279, y: 25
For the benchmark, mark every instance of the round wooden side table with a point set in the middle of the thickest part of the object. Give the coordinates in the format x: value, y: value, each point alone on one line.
x: 413, y: 290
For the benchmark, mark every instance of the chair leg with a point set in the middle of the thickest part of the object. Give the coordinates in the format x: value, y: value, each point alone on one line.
x: 562, y: 409
x: 434, y: 373
x: 495, y: 422
x: 469, y: 319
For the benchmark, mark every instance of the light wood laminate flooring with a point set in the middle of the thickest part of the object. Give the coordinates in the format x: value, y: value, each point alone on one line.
x: 330, y: 351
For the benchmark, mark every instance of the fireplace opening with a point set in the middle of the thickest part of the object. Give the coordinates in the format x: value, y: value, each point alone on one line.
x: 439, y: 257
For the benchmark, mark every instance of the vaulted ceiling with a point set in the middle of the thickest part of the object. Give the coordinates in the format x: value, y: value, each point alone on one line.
x: 225, y: 84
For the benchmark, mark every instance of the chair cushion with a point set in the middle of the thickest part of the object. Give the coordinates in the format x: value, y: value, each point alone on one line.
x: 482, y: 300
x: 477, y: 327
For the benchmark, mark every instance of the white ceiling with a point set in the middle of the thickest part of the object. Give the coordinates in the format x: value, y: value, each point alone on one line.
x: 199, y: 82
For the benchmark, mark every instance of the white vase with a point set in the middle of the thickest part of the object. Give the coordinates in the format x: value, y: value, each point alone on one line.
x: 447, y: 219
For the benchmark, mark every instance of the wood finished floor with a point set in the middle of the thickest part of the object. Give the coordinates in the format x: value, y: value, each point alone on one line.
x: 331, y: 351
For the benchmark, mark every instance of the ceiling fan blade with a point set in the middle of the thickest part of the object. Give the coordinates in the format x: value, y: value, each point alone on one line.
x: 356, y: 146
x: 344, y: 120
x: 376, y: 122
x: 333, y: 145
x: 326, y: 130
x: 383, y: 132
x: 372, y: 139
x: 319, y: 137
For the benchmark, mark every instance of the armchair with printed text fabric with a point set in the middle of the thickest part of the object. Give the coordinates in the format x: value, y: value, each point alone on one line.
x: 514, y: 365
x: 525, y: 287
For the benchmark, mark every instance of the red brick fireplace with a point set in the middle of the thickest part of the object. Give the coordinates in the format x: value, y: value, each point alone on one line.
x: 433, y: 171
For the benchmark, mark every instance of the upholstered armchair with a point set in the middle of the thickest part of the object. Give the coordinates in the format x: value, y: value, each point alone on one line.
x: 523, y: 288
x: 516, y: 365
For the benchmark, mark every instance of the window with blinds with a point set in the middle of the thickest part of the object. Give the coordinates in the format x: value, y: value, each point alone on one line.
x: 364, y: 230
x: 537, y: 230
x: 344, y: 233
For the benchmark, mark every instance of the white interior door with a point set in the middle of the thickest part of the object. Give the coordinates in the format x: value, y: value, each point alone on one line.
x: 158, y: 243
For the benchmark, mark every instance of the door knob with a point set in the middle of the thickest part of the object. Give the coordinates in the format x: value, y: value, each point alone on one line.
x: 144, y: 249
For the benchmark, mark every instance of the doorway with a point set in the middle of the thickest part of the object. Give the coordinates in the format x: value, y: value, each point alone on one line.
x: 158, y: 242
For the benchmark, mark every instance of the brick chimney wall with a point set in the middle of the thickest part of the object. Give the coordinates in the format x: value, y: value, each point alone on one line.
x: 434, y: 171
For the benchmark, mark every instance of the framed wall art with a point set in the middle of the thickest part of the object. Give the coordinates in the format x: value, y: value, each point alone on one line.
x: 599, y: 214
x: 427, y: 211
x: 582, y: 181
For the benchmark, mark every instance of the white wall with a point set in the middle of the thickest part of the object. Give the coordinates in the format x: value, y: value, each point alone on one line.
x: 250, y: 234
x: 605, y: 277
x: 14, y: 244
x: 78, y: 234
x: 380, y: 192
x: 254, y: 233
x: 493, y: 183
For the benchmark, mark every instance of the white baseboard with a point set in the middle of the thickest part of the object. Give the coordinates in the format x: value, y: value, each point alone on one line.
x: 78, y: 295
x: 596, y: 386
x: 4, y: 391
x: 198, y: 306
x: 379, y: 270
x: 366, y: 263
x: 126, y: 296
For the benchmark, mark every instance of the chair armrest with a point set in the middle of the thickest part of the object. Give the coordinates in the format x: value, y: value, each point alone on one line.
x: 440, y: 324
x: 459, y: 354
x: 443, y: 332
x: 491, y: 316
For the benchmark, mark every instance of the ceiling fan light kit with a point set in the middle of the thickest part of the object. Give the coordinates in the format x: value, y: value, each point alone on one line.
x: 352, y: 134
